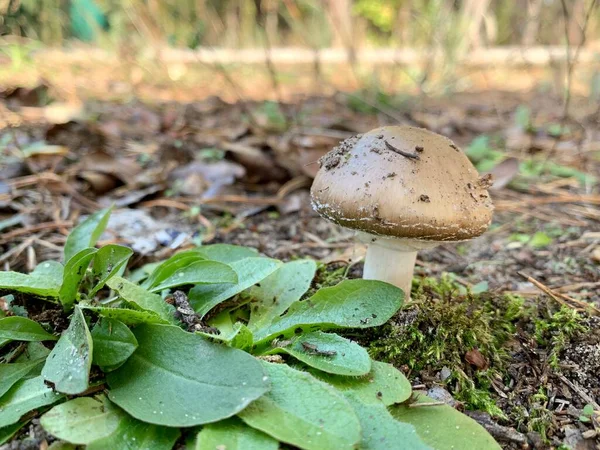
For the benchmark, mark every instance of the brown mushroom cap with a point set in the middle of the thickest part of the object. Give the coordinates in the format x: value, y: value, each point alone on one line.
x: 403, y: 182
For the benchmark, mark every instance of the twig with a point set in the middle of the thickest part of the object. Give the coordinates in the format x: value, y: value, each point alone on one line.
x: 561, y: 298
x: 579, y: 391
x: 7, y: 237
x: 400, y: 152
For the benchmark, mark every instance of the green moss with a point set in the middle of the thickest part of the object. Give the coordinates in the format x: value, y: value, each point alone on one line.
x: 437, y: 329
x: 555, y: 330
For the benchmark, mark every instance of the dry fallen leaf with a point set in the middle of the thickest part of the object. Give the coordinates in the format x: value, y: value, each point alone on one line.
x: 475, y: 358
x: 504, y: 172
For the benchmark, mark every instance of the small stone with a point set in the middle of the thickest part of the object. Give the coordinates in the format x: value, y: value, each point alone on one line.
x: 445, y: 373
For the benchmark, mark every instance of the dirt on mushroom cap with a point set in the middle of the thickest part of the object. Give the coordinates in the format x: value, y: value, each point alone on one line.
x: 434, y: 194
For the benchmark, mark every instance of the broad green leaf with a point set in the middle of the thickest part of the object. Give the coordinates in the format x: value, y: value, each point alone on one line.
x: 50, y: 269
x: 380, y: 431
x: 180, y: 379
x: 68, y: 365
x: 82, y: 420
x: 23, y: 397
x: 279, y: 290
x: 126, y: 315
x: 384, y: 384
x: 113, y: 343
x: 167, y: 268
x: 226, y: 253
x: 7, y: 433
x: 131, y: 434
x: 21, y: 329
x: 350, y: 304
x: 33, y: 351
x: 74, y: 272
x: 250, y: 271
x: 108, y: 262
x: 199, y: 272
x: 303, y: 411
x: 238, y: 336
x: 44, y: 282
x: 12, y: 373
x: 444, y: 428
x: 4, y: 341
x: 327, y: 352
x: 233, y: 434
x: 87, y: 233
x: 139, y: 297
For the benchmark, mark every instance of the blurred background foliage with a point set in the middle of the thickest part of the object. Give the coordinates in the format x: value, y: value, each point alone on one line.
x: 312, y: 23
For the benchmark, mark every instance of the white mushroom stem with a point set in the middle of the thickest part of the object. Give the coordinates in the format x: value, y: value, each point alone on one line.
x: 390, y: 265
x: 392, y: 260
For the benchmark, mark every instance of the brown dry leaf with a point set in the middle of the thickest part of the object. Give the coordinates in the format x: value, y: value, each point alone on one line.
x: 99, y: 182
x: 198, y: 177
x: 504, y: 172
x: 42, y: 157
x: 61, y: 113
x: 123, y: 169
x: 596, y: 254
x: 22, y: 96
x: 475, y: 358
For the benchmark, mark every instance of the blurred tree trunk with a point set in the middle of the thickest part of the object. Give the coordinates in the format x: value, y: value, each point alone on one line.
x: 473, y: 15
x: 577, y: 11
x: 340, y: 19
x: 532, y: 25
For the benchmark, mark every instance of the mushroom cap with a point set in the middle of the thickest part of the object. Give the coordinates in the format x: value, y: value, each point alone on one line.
x: 376, y: 184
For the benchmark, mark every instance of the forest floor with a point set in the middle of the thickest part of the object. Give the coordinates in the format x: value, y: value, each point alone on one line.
x: 505, y: 327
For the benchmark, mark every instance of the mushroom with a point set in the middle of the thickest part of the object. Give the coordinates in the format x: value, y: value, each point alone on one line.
x: 403, y: 189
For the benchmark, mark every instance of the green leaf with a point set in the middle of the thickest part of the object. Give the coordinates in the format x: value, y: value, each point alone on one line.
x: 327, y: 352
x: 279, y: 290
x: 350, y: 304
x: 250, y: 271
x: 380, y: 431
x: 3, y: 342
x: 167, y: 268
x: 52, y: 270
x: 74, y: 272
x: 21, y: 329
x: 444, y: 428
x: 113, y: 343
x: 199, y: 272
x: 523, y: 117
x: 25, y: 396
x: 303, y: 411
x: 7, y: 433
x: 139, y: 297
x: 226, y: 253
x: 82, y: 420
x: 33, y: 351
x: 588, y: 410
x: 180, y: 379
x: 86, y: 234
x: 12, y: 373
x: 132, y: 434
x: 44, y: 283
x: 108, y: 262
x: 232, y: 434
x: 68, y: 365
x: 384, y: 384
x: 540, y: 240
x: 126, y: 315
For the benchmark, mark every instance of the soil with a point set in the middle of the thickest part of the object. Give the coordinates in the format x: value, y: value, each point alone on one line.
x: 246, y: 183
